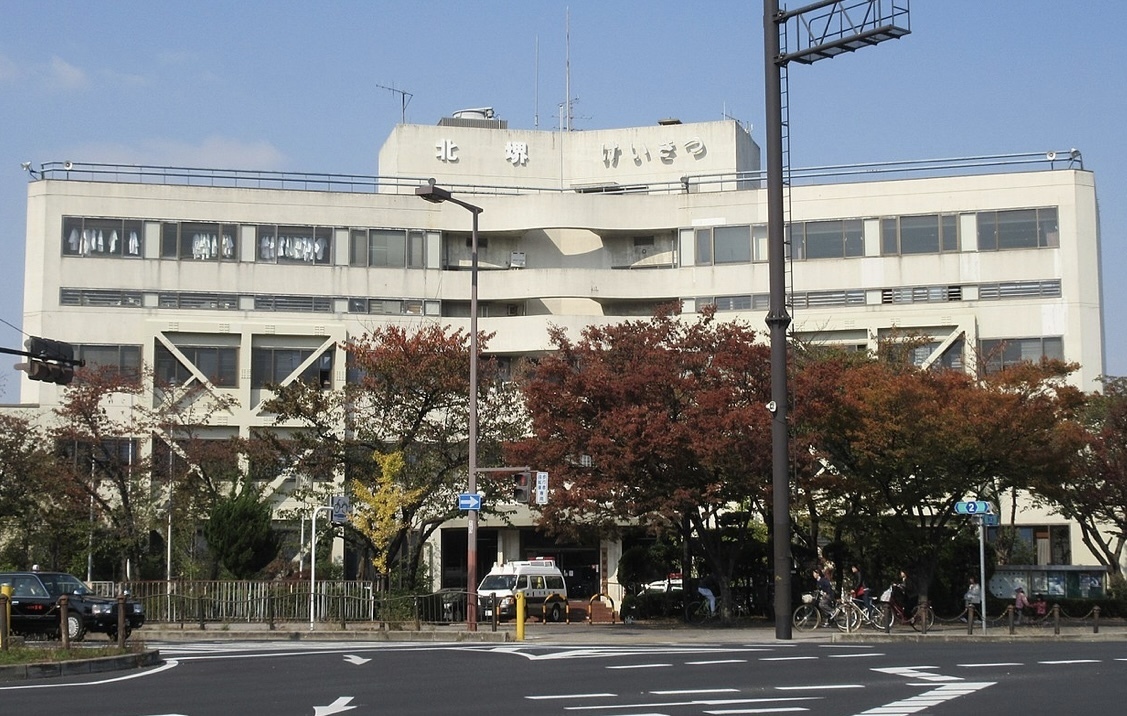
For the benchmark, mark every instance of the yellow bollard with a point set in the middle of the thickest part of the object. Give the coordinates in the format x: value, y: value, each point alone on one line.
x: 5, y: 627
x: 520, y: 616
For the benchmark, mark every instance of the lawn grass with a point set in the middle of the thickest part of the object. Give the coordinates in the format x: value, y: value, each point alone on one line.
x: 49, y: 653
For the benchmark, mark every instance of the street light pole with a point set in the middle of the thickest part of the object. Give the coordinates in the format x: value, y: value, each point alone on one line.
x: 823, y: 29
x: 438, y: 195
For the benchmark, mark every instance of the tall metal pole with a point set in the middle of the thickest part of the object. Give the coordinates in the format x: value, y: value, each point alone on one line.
x: 777, y: 320
x: 471, y: 532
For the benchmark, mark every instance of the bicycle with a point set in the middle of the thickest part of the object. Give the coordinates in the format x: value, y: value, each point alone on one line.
x: 811, y: 614
x: 699, y: 612
x: 921, y: 618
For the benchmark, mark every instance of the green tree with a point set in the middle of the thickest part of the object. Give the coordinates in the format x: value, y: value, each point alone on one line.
x: 240, y: 534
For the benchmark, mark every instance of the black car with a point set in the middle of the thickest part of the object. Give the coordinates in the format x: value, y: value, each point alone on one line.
x: 35, y: 606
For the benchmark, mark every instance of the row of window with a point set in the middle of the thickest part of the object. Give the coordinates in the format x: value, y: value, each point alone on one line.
x: 220, y: 364
x: 904, y: 294
x: 193, y: 300
x: 406, y: 248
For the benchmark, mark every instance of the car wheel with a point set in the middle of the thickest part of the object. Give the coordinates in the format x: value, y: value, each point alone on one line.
x: 555, y: 614
x: 76, y: 629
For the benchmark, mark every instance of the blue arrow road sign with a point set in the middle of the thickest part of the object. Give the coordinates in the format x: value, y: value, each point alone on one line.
x: 469, y: 501
x: 975, y: 507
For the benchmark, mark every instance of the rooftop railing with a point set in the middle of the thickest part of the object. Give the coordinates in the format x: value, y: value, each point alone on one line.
x: 691, y: 183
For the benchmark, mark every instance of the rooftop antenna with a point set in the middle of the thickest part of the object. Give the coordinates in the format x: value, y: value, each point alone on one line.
x: 404, y: 100
x: 536, y: 87
x: 567, y: 69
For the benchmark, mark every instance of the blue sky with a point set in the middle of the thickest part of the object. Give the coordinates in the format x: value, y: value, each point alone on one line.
x: 296, y: 86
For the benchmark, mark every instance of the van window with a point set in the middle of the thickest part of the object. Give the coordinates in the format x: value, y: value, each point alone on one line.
x: 556, y: 583
x: 537, y: 581
x: 498, y: 582
x: 522, y: 583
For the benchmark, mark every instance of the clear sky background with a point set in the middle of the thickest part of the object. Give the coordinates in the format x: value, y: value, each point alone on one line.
x: 296, y: 86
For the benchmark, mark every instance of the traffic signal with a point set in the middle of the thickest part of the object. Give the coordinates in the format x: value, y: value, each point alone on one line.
x: 522, y: 488
x: 49, y: 361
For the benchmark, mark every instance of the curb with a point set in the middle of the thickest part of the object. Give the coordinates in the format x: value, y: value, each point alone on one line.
x: 27, y: 672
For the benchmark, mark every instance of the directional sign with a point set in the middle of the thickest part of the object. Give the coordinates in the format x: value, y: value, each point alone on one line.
x: 975, y: 507
x: 541, y: 488
x: 469, y: 501
x: 990, y: 520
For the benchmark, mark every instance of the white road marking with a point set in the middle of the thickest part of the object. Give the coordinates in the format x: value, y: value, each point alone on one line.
x: 787, y: 658
x: 988, y: 665
x: 1071, y: 661
x: 690, y: 692
x: 172, y: 663
x: 549, y: 697
x: 640, y: 666
x: 855, y: 656
x: 915, y: 672
x: 717, y: 661
x: 915, y: 704
x: 694, y: 702
x: 820, y: 687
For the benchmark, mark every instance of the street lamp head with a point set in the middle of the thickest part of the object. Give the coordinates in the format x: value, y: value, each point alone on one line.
x: 432, y: 193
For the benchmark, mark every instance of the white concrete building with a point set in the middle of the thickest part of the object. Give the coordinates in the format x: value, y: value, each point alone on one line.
x: 242, y: 278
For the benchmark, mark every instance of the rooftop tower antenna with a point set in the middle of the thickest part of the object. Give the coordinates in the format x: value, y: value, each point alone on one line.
x: 536, y: 87
x: 404, y: 100
x: 567, y: 70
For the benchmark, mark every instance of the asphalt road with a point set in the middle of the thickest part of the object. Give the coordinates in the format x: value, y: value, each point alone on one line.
x: 325, y: 678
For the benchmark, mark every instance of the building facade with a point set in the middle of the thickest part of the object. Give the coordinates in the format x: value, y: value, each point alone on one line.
x: 240, y: 279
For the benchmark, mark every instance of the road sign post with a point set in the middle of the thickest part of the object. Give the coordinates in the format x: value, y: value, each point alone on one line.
x: 983, y: 514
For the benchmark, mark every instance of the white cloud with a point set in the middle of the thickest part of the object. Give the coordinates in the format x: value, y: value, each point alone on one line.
x: 65, y: 75
x: 211, y: 152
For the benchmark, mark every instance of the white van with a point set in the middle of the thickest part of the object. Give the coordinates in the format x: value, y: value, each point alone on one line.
x: 545, y: 590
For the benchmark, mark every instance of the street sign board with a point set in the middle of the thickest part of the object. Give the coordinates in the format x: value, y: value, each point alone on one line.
x: 340, y: 509
x: 972, y: 507
x: 469, y: 501
x: 990, y: 520
x: 541, y: 488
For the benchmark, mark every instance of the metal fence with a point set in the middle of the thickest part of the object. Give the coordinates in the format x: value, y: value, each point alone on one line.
x: 334, y: 601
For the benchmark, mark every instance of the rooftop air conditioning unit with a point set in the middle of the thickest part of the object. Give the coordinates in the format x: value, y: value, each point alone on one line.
x: 516, y: 259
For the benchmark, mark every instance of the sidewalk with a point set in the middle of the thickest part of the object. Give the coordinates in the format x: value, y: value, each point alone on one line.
x: 639, y: 633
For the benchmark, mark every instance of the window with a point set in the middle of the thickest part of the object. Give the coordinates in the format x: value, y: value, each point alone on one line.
x: 295, y: 244
x: 199, y: 241
x: 926, y: 234
x: 294, y: 304
x: 126, y: 360
x: 921, y: 294
x: 1019, y: 289
x: 1018, y: 229
x: 199, y: 301
x: 102, y: 237
x: 219, y: 364
x: 834, y: 239
x: 103, y: 298
x: 271, y: 366
x: 1003, y: 353
x: 730, y: 244
x: 387, y: 247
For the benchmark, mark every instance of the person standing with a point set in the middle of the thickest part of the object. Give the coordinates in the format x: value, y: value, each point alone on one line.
x: 1021, y: 603
x: 973, y: 596
x: 861, y: 588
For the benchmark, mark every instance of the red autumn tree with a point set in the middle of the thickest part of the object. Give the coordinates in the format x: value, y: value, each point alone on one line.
x: 659, y: 422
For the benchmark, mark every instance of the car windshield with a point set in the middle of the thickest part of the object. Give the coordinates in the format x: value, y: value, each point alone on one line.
x: 60, y: 584
x: 498, y: 582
